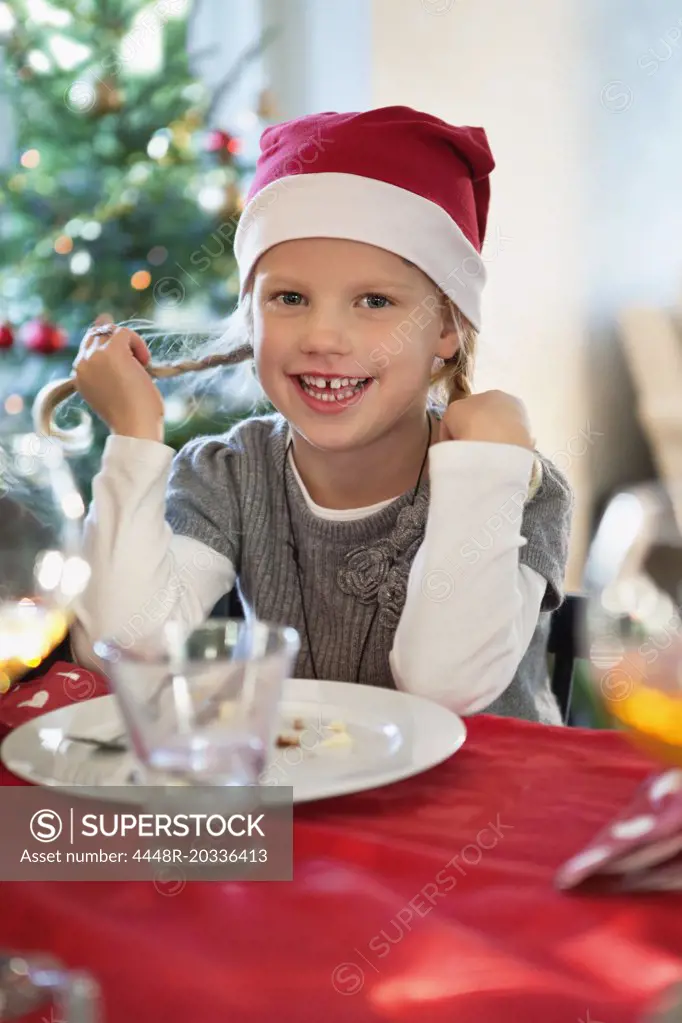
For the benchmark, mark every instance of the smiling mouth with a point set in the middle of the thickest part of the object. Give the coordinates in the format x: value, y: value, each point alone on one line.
x: 333, y: 389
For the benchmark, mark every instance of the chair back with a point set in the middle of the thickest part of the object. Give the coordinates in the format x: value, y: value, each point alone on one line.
x: 563, y: 645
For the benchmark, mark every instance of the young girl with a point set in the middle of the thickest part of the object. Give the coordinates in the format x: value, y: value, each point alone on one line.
x: 413, y: 544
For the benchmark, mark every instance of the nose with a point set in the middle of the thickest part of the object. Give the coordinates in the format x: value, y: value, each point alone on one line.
x: 324, y: 333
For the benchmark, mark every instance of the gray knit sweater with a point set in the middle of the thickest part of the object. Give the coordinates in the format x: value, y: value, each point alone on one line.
x: 227, y: 492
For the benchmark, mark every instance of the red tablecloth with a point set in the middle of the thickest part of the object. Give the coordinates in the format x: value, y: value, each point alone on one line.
x: 428, y: 900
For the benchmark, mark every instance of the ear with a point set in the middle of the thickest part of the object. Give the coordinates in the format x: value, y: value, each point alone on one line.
x: 448, y: 342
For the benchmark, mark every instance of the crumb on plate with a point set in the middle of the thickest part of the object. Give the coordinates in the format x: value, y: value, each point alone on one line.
x: 337, y: 740
x: 283, y: 740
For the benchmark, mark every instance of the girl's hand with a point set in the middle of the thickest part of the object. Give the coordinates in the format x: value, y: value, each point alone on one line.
x: 491, y: 416
x: 110, y: 374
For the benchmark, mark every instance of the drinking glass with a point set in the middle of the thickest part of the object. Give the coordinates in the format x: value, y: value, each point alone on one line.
x: 30, y: 982
x: 202, y: 707
x: 41, y: 568
x: 668, y: 1007
x: 634, y: 624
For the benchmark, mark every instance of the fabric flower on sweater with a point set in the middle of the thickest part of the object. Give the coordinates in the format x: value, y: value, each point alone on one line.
x: 379, y: 571
x: 365, y: 570
x: 391, y: 597
x: 409, y: 527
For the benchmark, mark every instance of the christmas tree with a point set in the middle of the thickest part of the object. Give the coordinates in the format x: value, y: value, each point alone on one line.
x: 120, y: 196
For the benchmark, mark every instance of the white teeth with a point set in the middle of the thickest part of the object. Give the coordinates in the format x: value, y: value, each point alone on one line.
x: 333, y: 382
x: 336, y: 390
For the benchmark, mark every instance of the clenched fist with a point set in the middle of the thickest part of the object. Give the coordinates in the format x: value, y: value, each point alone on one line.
x: 490, y: 416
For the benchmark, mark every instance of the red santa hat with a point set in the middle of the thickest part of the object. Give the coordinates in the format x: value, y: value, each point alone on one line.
x: 392, y: 177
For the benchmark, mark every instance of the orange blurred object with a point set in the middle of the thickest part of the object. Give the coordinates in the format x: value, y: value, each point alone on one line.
x: 141, y: 280
x: 63, y: 244
x: 644, y: 696
x: 30, y: 159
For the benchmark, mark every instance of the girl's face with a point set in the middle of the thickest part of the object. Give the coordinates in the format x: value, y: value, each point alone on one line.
x: 345, y: 335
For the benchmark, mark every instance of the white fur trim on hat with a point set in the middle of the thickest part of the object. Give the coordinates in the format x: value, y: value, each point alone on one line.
x: 365, y: 210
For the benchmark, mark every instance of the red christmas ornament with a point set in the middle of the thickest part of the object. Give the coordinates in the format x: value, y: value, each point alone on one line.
x: 43, y: 337
x: 222, y: 144
x: 6, y: 335
x: 216, y: 140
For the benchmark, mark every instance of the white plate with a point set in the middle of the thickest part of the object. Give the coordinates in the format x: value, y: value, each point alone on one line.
x: 394, y: 735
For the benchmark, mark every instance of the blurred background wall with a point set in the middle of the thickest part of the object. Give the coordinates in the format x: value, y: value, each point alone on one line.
x: 634, y: 213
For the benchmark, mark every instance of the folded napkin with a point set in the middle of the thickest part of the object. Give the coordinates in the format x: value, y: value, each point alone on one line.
x: 63, y: 684
x: 641, y: 849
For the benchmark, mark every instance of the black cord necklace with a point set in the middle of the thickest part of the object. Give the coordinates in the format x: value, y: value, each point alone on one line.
x: 297, y: 560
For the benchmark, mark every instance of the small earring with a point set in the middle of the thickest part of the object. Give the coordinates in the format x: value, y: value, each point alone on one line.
x: 438, y: 363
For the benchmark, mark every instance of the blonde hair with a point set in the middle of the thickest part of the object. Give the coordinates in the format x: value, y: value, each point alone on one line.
x: 231, y: 345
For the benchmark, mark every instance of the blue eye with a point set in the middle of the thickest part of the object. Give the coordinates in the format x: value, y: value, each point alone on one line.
x: 285, y: 295
x: 377, y: 301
